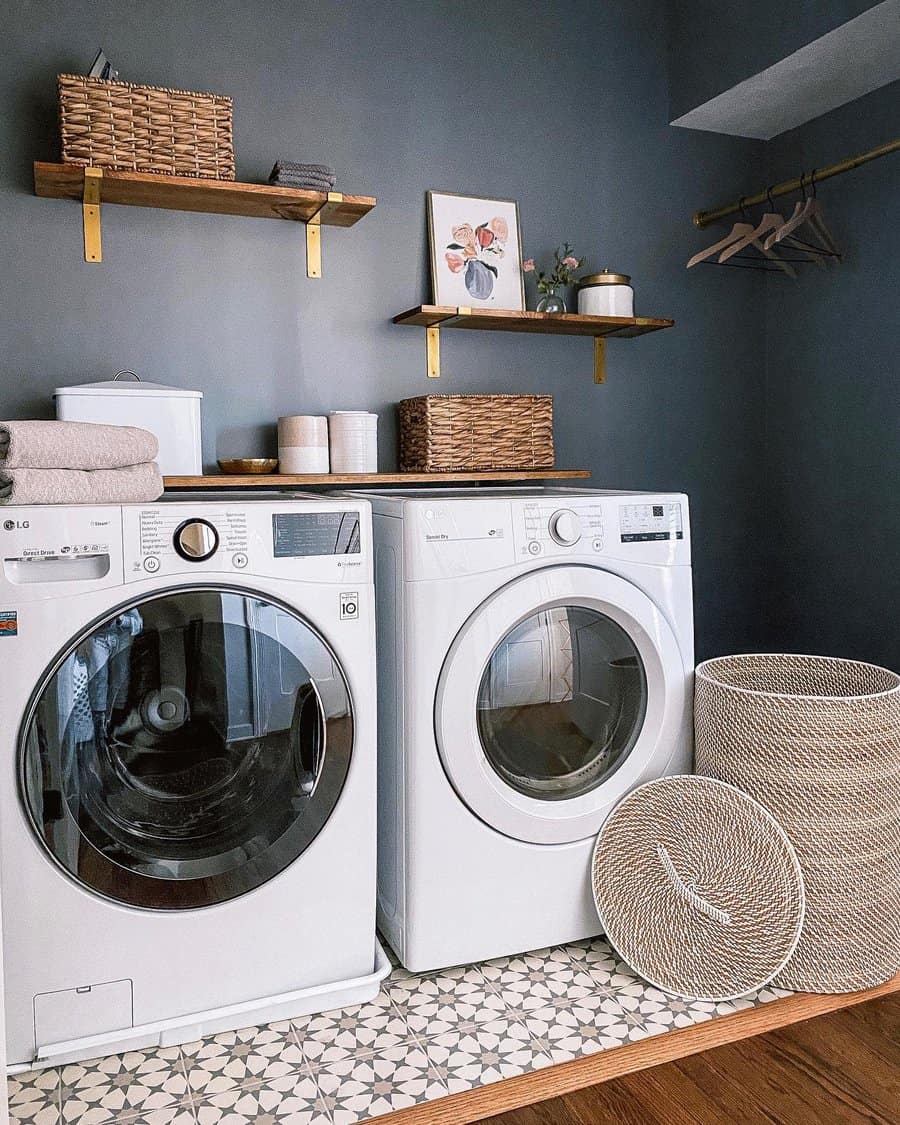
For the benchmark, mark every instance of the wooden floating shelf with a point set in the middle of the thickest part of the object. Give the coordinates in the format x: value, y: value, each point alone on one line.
x: 435, y: 317
x: 182, y: 193
x: 357, y: 480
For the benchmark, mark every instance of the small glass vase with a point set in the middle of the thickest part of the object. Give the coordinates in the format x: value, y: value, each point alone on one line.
x: 551, y: 302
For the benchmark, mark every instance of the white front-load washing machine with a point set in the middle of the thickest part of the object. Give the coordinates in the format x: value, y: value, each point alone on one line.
x: 188, y: 764
x: 535, y: 664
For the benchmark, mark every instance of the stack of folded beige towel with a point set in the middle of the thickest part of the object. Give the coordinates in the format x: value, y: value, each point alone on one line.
x: 77, y: 463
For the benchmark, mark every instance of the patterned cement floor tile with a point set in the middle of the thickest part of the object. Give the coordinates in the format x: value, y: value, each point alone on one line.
x: 241, y: 1058
x: 487, y: 1052
x: 354, y: 1090
x: 591, y: 954
x: 584, y: 1027
x: 424, y: 1036
x: 34, y: 1097
x: 173, y: 1115
x: 358, y: 1031
x: 290, y: 1100
x: 537, y: 979
x: 453, y: 999
x: 121, y: 1086
x: 547, y: 960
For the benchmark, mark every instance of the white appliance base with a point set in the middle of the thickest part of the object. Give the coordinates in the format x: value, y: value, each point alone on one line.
x: 199, y: 1025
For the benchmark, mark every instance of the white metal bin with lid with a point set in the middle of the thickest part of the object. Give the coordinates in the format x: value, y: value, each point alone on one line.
x: 171, y: 413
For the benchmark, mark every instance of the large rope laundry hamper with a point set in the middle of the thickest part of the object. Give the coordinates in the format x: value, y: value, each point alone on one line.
x: 698, y: 888
x: 817, y: 741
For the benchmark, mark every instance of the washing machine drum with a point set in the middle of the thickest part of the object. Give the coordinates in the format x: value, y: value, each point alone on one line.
x: 186, y: 749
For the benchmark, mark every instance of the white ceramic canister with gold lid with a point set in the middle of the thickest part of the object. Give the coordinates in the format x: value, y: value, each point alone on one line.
x: 606, y: 294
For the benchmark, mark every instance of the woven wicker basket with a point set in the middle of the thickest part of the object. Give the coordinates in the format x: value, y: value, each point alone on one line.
x: 817, y: 742
x: 145, y: 128
x: 444, y: 433
x: 698, y: 888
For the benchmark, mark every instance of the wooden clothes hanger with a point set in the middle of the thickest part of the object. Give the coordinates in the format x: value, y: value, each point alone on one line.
x: 739, y: 230
x: 807, y: 210
x: 743, y: 233
x: 771, y: 221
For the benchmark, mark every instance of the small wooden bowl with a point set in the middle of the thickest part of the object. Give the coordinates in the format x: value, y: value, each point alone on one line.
x: 240, y: 465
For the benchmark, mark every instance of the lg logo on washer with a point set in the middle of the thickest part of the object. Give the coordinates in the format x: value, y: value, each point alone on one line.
x: 11, y: 525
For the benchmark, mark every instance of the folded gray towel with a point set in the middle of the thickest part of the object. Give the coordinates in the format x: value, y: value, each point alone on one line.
x: 74, y: 445
x: 131, y: 484
x: 311, y: 183
x: 304, y: 185
x: 293, y: 168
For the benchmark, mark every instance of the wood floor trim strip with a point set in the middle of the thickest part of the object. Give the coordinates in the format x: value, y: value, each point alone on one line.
x: 513, y: 1093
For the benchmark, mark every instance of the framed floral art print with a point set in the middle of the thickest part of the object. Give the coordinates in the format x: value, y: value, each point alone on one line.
x: 476, y: 251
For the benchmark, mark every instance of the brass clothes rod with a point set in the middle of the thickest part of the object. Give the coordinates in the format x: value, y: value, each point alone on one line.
x: 704, y: 218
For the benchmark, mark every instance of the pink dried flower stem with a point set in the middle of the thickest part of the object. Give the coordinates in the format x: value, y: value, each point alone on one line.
x: 563, y: 273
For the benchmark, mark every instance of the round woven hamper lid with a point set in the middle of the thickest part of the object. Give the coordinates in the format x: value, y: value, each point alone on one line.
x: 698, y: 888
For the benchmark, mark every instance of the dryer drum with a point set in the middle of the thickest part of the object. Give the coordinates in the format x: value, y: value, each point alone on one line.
x: 561, y: 702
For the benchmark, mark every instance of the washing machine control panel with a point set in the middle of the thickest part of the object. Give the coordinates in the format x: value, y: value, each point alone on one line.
x: 327, y: 542
x: 557, y: 526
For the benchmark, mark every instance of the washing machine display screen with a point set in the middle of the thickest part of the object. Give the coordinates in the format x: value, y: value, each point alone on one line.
x: 303, y: 534
x: 187, y: 749
x: 561, y: 702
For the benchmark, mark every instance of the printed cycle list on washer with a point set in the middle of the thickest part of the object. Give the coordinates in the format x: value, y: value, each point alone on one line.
x: 645, y: 523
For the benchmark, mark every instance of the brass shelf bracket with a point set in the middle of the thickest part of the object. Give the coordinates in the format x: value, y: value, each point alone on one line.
x: 314, y: 235
x: 599, y: 359
x: 90, y: 214
x: 433, y: 351
x: 433, y: 341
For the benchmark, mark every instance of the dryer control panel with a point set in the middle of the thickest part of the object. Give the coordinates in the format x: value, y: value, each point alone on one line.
x: 557, y: 526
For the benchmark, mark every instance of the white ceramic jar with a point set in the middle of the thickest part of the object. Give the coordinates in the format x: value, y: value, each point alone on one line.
x: 353, y: 441
x: 606, y: 294
x: 303, y: 444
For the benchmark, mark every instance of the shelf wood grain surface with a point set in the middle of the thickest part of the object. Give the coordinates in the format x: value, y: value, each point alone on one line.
x: 219, y: 197
x: 504, y: 320
x: 345, y: 480
x: 484, y: 1102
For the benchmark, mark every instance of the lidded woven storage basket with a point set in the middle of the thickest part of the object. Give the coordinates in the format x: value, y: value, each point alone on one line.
x: 443, y: 433
x: 697, y: 888
x: 817, y: 742
x: 145, y: 128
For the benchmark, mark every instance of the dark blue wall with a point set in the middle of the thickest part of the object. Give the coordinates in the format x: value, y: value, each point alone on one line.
x: 563, y: 107
x: 833, y: 403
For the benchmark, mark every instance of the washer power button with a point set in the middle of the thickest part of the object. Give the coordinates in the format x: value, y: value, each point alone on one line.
x: 534, y: 547
x: 151, y: 564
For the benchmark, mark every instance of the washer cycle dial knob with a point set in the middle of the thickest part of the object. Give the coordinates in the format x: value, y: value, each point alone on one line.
x: 564, y: 528
x: 196, y: 540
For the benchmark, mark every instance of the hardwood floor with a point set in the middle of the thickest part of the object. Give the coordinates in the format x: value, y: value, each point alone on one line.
x: 843, y: 1068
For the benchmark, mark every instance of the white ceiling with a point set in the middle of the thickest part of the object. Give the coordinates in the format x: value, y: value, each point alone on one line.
x: 859, y: 56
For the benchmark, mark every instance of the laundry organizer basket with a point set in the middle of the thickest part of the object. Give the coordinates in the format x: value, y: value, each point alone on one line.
x: 145, y: 128
x: 443, y: 433
x: 817, y: 742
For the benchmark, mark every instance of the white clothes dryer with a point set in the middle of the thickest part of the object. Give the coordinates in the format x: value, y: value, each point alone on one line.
x: 535, y: 664
x: 188, y: 763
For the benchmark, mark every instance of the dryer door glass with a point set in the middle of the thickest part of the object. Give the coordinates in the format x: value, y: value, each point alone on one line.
x: 561, y: 702
x: 187, y: 749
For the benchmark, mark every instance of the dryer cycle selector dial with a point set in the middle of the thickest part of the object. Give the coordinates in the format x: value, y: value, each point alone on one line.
x: 564, y: 527
x: 196, y: 540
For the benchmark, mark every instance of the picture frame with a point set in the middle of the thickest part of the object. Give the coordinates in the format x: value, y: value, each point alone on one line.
x: 476, y: 251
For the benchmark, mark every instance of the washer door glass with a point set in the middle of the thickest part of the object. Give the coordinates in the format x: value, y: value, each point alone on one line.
x: 561, y: 702
x: 187, y: 749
